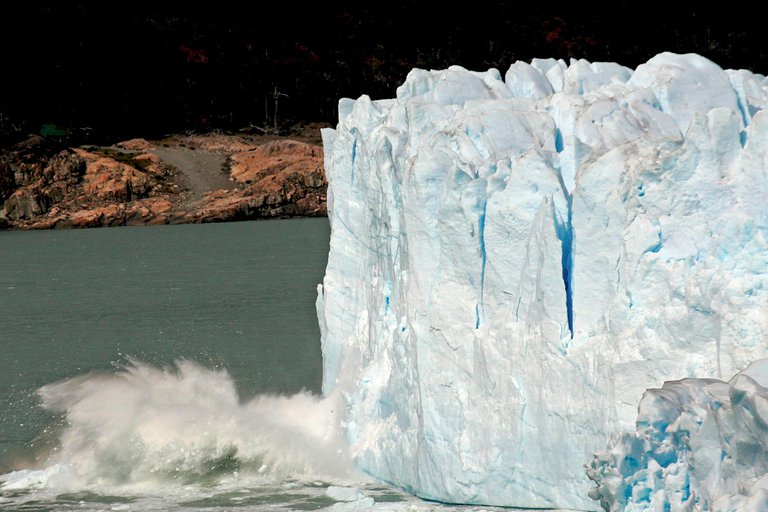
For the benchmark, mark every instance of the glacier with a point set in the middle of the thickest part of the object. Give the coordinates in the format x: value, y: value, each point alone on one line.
x: 514, y: 261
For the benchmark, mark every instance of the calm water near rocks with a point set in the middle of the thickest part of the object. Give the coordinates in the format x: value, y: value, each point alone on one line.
x: 170, y: 368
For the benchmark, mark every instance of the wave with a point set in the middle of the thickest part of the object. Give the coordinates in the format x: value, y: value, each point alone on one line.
x: 184, y: 423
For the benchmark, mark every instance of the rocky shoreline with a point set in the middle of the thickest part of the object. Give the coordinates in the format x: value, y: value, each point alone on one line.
x: 177, y: 180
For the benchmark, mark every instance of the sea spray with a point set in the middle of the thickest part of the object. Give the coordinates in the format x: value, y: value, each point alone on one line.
x: 145, y: 425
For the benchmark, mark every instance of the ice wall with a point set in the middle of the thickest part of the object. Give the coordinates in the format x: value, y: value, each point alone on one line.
x: 513, y: 262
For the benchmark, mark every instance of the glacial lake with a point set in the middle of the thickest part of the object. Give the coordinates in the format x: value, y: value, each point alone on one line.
x: 238, y: 296
x: 181, y: 370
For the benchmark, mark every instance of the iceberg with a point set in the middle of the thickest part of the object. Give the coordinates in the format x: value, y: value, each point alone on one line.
x: 514, y: 261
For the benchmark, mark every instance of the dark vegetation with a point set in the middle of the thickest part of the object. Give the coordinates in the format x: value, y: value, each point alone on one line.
x: 79, y: 70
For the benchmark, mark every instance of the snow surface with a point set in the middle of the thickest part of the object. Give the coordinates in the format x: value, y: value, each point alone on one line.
x: 513, y: 262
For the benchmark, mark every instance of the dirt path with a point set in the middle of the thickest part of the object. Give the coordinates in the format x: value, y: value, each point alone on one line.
x: 202, y: 170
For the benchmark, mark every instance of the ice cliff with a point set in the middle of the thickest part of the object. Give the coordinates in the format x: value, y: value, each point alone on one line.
x: 514, y: 261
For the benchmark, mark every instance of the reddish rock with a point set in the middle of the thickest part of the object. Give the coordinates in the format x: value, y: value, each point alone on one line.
x: 276, y: 159
x: 151, y: 164
x: 66, y: 166
x: 281, y: 177
x: 135, y: 145
x: 93, y: 218
x: 108, y: 179
x: 77, y: 188
x: 218, y: 142
x: 152, y: 210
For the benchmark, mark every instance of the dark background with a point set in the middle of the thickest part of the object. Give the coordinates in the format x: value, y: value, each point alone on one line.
x: 127, y: 69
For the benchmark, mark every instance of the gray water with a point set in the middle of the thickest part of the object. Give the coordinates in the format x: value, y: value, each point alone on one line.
x: 238, y: 296
x: 171, y: 368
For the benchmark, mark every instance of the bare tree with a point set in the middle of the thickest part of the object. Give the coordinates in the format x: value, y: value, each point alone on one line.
x: 276, y: 94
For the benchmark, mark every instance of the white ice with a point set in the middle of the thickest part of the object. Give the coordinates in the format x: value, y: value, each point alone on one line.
x: 513, y: 262
x: 700, y: 444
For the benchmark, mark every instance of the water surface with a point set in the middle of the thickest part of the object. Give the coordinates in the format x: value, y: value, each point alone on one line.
x: 172, y: 368
x: 238, y: 296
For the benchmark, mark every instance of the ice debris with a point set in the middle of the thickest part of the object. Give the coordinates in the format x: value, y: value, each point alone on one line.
x: 700, y: 444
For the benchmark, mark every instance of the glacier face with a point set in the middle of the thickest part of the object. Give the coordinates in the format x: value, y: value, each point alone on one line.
x: 513, y: 262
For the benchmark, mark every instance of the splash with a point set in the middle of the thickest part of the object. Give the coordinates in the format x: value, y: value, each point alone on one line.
x: 185, y: 423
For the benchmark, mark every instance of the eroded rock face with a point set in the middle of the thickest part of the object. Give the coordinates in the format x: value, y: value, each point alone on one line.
x: 281, y: 178
x: 131, y: 184
x: 108, y: 179
x: 7, y: 181
x: 40, y: 183
x: 277, y: 158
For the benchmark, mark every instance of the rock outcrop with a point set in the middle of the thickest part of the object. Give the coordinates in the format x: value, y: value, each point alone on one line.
x: 130, y: 184
x: 282, y: 178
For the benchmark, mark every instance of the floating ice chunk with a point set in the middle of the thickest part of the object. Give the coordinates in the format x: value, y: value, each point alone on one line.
x: 359, y: 505
x: 700, y: 444
x: 33, y: 478
x: 343, y: 493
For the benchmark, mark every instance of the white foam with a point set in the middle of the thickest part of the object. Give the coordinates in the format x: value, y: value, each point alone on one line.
x: 148, y: 426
